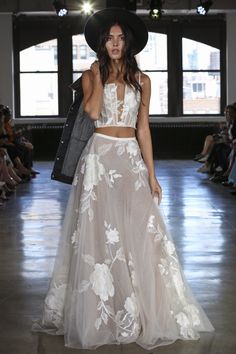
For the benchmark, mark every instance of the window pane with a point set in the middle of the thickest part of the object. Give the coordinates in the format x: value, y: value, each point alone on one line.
x: 83, y: 56
x: 158, y: 103
x: 39, y: 94
x: 199, y: 56
x: 201, y: 93
x: 154, y: 55
x: 76, y: 76
x: 40, y: 57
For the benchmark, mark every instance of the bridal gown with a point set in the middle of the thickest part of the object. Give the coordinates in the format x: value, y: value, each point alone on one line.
x: 117, y: 278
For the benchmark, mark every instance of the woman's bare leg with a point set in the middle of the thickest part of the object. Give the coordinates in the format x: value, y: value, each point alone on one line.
x: 209, y: 141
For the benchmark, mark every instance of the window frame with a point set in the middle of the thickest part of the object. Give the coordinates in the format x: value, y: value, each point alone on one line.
x: 39, y: 72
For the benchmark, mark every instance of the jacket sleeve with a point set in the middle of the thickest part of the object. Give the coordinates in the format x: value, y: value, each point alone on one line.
x: 76, y: 132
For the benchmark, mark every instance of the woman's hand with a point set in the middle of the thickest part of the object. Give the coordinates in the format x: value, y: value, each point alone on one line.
x: 155, y: 188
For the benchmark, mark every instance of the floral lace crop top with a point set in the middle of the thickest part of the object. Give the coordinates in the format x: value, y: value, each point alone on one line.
x: 115, y: 112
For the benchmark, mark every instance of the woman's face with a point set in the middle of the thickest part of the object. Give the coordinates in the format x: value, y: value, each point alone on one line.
x: 115, y: 43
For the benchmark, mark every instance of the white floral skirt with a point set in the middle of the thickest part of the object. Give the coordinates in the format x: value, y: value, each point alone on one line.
x: 117, y: 277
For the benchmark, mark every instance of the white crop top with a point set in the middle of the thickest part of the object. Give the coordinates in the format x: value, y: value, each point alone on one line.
x: 120, y: 113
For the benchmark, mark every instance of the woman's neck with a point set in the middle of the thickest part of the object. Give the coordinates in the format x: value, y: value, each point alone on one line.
x: 116, y: 68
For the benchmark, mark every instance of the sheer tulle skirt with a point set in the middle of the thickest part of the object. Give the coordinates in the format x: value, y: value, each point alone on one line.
x: 117, y: 277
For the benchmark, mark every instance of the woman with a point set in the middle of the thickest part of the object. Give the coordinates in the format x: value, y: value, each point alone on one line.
x: 117, y: 278
x: 21, y: 145
x: 11, y: 148
x: 211, y: 140
x: 219, y: 160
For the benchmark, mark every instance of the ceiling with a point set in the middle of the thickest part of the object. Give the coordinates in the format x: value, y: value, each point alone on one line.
x: 169, y: 6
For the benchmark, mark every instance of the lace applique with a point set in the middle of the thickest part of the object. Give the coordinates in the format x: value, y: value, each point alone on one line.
x: 139, y: 167
x: 117, y: 112
x: 153, y: 229
x: 101, y: 282
x: 169, y: 267
x: 94, y: 172
x: 133, y: 273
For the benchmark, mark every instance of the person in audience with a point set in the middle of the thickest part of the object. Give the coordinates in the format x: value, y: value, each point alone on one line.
x: 12, y: 149
x: 24, y: 147
x: 232, y: 178
x: 225, y: 156
x: 215, y: 138
x: 7, y: 182
x: 219, y: 159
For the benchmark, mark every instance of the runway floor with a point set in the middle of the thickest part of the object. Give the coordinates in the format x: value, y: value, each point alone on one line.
x: 201, y: 216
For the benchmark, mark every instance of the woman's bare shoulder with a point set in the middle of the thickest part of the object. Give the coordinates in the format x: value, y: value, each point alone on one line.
x: 145, y: 79
x: 87, y: 75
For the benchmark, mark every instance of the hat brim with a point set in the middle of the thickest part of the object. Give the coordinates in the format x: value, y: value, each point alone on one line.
x: 99, y: 19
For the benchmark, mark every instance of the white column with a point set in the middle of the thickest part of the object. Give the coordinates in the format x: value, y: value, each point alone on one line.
x: 6, y: 61
x: 231, y: 57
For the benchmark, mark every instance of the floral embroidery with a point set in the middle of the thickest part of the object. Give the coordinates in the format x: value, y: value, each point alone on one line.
x: 187, y: 319
x: 133, y: 273
x: 169, y: 268
x: 101, y: 283
x: 75, y: 180
x: 94, y: 171
x: 169, y: 246
x: 111, y: 176
x: 55, y: 303
x: 119, y: 112
x: 131, y: 306
x: 111, y: 234
x: 153, y: 229
x: 75, y: 238
x: 139, y: 167
x: 132, y: 148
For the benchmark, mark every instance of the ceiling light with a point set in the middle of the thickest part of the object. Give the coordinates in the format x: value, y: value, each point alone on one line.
x: 203, y: 7
x: 87, y: 8
x: 60, y: 8
x: 155, y: 9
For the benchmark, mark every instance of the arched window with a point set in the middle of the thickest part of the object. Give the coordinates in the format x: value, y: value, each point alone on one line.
x: 39, y: 80
x: 201, y: 78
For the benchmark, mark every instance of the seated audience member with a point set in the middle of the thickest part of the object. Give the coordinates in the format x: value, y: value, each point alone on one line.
x: 24, y: 147
x: 12, y: 149
x: 213, y: 139
x: 232, y: 178
x: 219, y: 158
x: 6, y: 182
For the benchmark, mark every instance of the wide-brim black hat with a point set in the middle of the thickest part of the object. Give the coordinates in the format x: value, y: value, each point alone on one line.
x: 100, y: 19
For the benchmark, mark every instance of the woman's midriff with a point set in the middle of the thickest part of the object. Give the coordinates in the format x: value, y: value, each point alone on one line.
x: 117, y: 132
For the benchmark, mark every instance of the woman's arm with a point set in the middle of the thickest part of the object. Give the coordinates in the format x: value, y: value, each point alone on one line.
x: 144, y: 136
x: 93, y: 91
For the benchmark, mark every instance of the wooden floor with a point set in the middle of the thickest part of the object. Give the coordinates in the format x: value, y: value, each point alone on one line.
x: 201, y: 217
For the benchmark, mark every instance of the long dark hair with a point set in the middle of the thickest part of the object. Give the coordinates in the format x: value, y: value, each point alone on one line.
x: 130, y: 63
